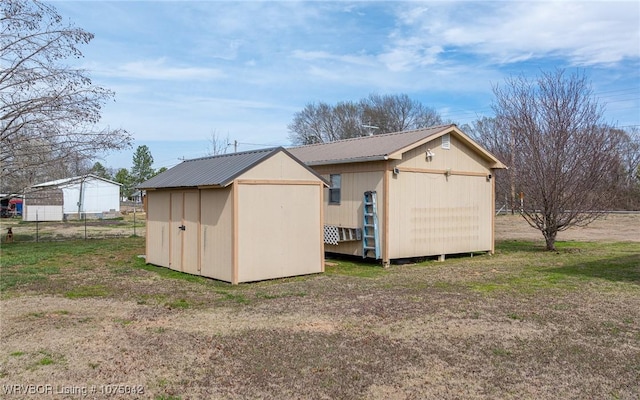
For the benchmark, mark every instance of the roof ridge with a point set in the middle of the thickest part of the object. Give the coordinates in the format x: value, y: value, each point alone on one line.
x: 263, y: 150
x: 378, y: 135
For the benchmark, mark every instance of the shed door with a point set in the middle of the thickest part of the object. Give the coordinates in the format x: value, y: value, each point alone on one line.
x: 185, y: 212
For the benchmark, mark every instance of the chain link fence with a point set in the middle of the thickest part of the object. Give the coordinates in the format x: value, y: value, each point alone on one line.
x: 130, y: 222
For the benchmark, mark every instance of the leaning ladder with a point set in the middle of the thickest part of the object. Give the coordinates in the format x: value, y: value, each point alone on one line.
x: 370, y: 232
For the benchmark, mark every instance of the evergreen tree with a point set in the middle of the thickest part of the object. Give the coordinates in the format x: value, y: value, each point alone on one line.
x: 142, y: 162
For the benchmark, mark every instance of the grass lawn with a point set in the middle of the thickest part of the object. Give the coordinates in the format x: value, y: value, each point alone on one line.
x: 523, y: 323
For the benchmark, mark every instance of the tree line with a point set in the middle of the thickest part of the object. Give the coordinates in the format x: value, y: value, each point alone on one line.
x: 567, y: 164
x: 376, y: 114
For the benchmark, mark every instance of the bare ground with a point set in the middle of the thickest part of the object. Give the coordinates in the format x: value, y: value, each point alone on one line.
x: 470, y: 328
x: 610, y: 228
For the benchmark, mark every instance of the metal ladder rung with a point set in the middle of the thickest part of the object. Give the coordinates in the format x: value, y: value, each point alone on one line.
x: 370, y: 223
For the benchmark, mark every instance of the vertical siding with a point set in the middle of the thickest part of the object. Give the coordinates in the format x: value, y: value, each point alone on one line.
x: 175, y: 235
x: 432, y: 214
x: 191, y: 234
x: 98, y: 196
x: 216, y: 233
x: 157, y: 237
x: 278, y: 230
x: 459, y: 157
x: 42, y: 213
x: 268, y: 224
x: 356, y: 179
x: 279, y: 166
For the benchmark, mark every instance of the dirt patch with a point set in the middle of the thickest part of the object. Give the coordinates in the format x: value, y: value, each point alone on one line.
x: 609, y: 228
x: 522, y: 323
x: 315, y: 353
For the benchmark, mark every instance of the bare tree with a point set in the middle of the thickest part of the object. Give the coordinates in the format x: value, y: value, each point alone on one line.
x: 217, y: 144
x: 566, y: 157
x: 48, y: 110
x: 396, y: 113
x: 497, y: 139
x: 322, y: 122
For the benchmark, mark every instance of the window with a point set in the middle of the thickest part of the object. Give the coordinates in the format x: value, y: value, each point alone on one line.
x: 446, y: 141
x: 334, y: 190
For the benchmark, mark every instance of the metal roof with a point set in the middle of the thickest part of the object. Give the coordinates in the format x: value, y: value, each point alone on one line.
x: 365, y: 148
x: 74, y: 180
x: 382, y: 147
x: 218, y: 170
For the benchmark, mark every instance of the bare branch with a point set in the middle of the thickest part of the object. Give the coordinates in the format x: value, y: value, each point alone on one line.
x: 48, y: 111
x: 565, y: 158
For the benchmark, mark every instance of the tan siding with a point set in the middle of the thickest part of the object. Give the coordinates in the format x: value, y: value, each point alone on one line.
x: 175, y: 236
x: 157, y: 247
x: 267, y: 224
x: 216, y: 234
x: 432, y: 214
x: 191, y: 233
x: 429, y: 213
x: 373, y: 166
x: 184, y: 243
x: 287, y: 240
x: 349, y: 213
x: 279, y: 166
x: 459, y: 158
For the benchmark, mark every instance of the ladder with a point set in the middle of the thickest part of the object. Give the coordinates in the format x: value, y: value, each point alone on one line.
x: 370, y: 232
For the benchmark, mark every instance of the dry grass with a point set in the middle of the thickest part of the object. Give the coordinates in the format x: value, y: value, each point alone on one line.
x: 520, y: 324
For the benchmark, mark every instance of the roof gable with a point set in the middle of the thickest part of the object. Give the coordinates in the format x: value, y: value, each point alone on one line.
x: 218, y: 170
x: 382, y: 147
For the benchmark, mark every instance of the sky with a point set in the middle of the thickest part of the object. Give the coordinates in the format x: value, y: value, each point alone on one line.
x: 183, y: 71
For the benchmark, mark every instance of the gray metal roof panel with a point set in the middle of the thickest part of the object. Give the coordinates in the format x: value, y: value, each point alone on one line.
x: 217, y: 170
x: 362, y: 149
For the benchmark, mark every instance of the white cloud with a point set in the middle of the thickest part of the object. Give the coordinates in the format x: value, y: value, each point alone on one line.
x: 159, y: 69
x: 584, y: 33
x: 410, y: 56
x: 182, y: 69
x: 354, y: 59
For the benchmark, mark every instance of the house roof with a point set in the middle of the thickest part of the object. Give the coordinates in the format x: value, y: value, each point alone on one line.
x: 72, y: 180
x: 381, y: 147
x: 218, y: 170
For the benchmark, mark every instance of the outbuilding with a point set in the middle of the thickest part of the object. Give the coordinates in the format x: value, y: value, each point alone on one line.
x: 410, y: 194
x: 237, y: 217
x: 76, y: 197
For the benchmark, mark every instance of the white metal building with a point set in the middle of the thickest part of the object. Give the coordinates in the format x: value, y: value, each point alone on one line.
x: 81, y: 195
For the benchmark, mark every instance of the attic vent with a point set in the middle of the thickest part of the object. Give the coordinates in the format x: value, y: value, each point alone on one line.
x: 446, y: 141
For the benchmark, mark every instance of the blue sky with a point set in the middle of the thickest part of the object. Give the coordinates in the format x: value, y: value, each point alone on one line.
x: 184, y: 70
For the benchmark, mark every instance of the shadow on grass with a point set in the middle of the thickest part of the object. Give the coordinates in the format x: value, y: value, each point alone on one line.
x: 510, y: 246
x: 625, y: 268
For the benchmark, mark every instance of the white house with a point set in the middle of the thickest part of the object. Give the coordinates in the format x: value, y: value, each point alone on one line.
x: 81, y: 195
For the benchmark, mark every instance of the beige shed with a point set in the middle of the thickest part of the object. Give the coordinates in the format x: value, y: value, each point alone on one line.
x: 237, y: 217
x: 425, y: 192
